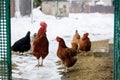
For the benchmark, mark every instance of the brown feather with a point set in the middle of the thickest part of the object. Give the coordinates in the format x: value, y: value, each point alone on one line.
x: 67, y: 55
x: 85, y: 43
x: 74, y: 42
x: 41, y: 44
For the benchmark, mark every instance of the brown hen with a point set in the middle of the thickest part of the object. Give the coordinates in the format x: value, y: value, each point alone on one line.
x: 67, y: 55
x: 84, y: 44
x: 75, y: 40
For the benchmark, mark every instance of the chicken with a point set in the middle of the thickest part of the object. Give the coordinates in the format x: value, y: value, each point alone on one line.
x: 22, y: 44
x: 75, y: 40
x: 41, y: 44
x: 68, y: 56
x: 31, y: 42
x: 84, y: 43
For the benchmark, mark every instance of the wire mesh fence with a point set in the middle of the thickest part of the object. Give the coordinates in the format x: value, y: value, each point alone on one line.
x: 5, y: 60
x: 5, y: 55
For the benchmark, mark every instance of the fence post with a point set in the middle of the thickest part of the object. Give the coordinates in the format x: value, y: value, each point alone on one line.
x: 116, y: 40
x: 5, y: 52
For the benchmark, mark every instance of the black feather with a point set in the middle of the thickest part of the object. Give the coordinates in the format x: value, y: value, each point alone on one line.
x: 22, y: 44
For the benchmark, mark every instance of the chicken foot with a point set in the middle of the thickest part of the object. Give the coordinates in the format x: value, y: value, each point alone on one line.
x: 39, y: 65
x: 66, y: 69
x: 83, y: 53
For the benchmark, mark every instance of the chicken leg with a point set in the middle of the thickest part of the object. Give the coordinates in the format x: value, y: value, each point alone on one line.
x: 41, y: 62
x: 66, y: 69
x: 38, y: 65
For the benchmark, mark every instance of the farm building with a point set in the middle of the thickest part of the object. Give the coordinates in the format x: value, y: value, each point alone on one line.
x: 20, y: 7
x: 90, y: 6
x: 77, y: 6
x: 102, y: 6
x: 56, y: 7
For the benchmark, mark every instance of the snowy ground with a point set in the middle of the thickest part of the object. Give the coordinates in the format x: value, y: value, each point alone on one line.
x: 100, y: 26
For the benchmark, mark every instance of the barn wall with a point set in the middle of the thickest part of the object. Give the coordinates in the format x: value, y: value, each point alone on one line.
x: 25, y: 7
x: 55, y: 8
x: 101, y: 9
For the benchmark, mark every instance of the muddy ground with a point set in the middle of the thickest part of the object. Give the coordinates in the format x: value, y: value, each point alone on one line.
x: 96, y: 65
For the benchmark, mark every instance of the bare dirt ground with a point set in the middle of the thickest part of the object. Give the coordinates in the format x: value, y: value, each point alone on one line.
x: 98, y: 66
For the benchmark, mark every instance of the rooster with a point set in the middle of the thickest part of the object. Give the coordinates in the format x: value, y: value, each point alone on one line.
x: 41, y: 44
x: 84, y: 44
x: 75, y: 40
x: 68, y: 56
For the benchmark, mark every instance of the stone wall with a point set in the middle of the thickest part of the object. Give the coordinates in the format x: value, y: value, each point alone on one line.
x: 60, y: 9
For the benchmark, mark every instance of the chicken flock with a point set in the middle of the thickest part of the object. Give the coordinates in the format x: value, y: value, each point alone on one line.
x: 39, y: 46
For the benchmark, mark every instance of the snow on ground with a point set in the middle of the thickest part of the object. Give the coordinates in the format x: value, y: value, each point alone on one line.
x: 100, y: 26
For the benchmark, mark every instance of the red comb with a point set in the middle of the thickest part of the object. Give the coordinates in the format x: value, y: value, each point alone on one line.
x: 57, y: 38
x: 43, y: 24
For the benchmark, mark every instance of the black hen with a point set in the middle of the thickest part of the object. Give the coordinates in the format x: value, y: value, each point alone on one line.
x: 22, y: 44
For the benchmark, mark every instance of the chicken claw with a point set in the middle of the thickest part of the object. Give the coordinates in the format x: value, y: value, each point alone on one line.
x: 66, y: 70
x: 38, y: 65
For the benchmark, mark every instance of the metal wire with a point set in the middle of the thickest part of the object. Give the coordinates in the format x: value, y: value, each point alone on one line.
x: 5, y: 69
